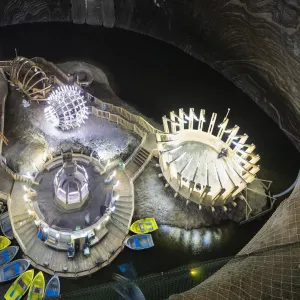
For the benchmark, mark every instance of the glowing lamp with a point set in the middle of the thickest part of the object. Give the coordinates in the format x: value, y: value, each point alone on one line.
x: 67, y: 108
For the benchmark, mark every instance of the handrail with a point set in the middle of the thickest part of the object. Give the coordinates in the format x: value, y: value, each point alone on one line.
x: 142, y: 168
x: 125, y: 113
x: 130, y: 158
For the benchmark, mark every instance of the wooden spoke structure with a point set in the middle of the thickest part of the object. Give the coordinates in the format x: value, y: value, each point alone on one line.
x: 190, y: 161
x: 30, y: 78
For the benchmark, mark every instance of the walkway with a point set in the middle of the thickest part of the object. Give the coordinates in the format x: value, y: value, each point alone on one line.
x: 111, y: 236
x: 141, y: 157
x: 48, y: 259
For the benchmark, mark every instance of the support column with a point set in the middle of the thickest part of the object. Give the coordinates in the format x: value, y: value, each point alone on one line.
x: 166, y: 125
x: 232, y: 134
x: 191, y: 120
x: 173, y: 123
x: 222, y: 128
x: 212, y: 123
x: 181, y: 116
x: 201, y: 119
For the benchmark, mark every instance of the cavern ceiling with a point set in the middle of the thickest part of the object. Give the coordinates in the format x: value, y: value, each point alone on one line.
x: 255, y: 44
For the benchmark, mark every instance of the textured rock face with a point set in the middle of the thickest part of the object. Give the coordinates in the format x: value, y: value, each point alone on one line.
x: 253, y: 43
x: 268, y: 267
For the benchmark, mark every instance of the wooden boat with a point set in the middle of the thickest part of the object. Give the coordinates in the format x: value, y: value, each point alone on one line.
x: 6, y: 226
x: 128, y: 271
x: 53, y: 287
x: 4, y: 242
x: 13, y: 269
x: 127, y: 289
x: 20, y: 286
x: 7, y: 254
x: 144, y: 225
x: 139, y: 241
x: 37, y: 288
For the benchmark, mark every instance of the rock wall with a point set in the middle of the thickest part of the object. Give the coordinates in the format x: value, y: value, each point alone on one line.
x: 269, y: 264
x: 253, y: 43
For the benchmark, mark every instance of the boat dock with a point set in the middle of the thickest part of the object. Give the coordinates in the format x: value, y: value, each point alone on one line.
x: 52, y: 260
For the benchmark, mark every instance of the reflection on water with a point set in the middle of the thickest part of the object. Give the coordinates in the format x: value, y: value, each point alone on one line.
x: 195, y: 240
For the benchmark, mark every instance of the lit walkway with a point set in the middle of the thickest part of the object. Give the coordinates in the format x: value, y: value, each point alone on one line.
x: 50, y: 260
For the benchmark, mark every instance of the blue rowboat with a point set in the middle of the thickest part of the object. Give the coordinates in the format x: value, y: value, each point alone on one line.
x: 139, y: 241
x: 6, y: 225
x: 53, y: 287
x: 7, y: 254
x: 13, y: 269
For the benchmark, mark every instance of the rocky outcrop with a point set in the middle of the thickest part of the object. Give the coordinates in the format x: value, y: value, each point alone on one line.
x: 255, y: 44
x: 266, y: 268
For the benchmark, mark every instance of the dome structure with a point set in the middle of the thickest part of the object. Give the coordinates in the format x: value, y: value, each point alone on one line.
x: 71, y: 185
x: 207, y: 165
x: 30, y: 78
x: 67, y: 108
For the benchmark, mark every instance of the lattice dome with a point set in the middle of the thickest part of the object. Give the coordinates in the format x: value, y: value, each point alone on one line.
x: 67, y: 108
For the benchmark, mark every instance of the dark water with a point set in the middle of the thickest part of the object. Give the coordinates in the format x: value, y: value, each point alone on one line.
x: 157, y: 78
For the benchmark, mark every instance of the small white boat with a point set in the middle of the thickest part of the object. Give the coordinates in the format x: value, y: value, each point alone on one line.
x: 6, y: 225
x: 53, y: 287
x: 139, y: 241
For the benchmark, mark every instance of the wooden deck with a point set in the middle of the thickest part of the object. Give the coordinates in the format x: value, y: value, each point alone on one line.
x: 51, y: 260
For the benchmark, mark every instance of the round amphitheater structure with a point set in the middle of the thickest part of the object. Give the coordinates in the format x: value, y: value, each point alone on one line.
x: 209, y: 165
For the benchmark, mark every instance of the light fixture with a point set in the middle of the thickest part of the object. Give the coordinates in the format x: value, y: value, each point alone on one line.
x: 67, y: 108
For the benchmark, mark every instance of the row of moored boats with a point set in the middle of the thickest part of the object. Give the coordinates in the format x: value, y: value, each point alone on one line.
x: 17, y: 270
x: 142, y: 239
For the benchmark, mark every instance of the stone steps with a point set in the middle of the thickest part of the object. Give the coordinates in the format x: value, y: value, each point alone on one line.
x: 131, y: 169
x: 29, y: 243
x: 101, y: 233
x: 113, y: 229
x: 119, y: 218
x: 24, y: 225
x: 123, y: 213
x: 141, y: 157
x: 124, y: 190
x: 123, y: 208
x: 28, y: 235
x: 20, y: 217
x: 120, y: 226
x: 114, y: 241
x: 125, y: 199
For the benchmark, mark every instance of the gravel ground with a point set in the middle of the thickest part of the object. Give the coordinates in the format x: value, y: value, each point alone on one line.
x: 32, y: 139
x: 153, y: 199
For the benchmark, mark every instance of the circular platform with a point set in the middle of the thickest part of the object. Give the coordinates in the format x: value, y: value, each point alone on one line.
x: 94, y: 207
x: 208, y: 169
x: 47, y: 246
